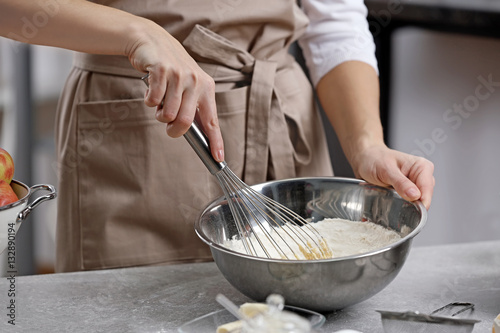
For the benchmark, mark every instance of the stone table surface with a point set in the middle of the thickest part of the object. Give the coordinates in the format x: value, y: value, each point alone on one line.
x: 161, y: 298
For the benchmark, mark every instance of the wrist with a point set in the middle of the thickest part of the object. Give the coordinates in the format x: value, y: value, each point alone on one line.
x: 136, y: 34
x: 356, y: 147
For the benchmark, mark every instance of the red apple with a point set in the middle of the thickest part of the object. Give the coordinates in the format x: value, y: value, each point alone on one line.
x: 7, y: 195
x: 6, y: 166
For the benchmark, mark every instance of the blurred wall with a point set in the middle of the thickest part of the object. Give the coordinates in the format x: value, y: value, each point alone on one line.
x: 445, y: 104
x: 48, y: 68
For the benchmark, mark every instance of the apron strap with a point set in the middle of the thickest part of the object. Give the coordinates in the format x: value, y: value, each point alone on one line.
x: 229, y: 61
x: 259, y: 111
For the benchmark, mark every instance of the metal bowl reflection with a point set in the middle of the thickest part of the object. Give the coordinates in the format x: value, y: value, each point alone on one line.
x: 320, y: 285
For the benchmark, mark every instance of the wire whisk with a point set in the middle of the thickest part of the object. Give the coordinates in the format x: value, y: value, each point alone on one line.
x: 266, y: 227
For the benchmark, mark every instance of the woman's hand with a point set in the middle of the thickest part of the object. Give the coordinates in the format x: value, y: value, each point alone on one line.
x: 349, y: 95
x: 411, y: 176
x: 178, y: 87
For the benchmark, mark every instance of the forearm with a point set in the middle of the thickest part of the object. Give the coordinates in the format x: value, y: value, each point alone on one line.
x: 349, y: 95
x: 72, y: 24
x: 178, y: 87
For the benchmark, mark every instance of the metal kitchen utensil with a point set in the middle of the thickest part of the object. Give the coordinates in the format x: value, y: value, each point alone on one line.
x: 435, y: 322
x: 266, y: 227
x: 12, y: 215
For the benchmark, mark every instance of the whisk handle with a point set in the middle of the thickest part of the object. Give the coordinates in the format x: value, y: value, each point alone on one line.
x: 199, y: 143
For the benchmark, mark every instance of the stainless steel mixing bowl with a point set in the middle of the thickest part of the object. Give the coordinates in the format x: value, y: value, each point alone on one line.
x: 320, y: 285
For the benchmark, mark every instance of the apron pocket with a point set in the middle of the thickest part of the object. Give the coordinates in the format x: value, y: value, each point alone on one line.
x: 115, y: 142
x: 141, y: 190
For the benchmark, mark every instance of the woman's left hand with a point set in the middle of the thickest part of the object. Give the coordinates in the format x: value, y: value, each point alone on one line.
x: 349, y: 95
x: 411, y: 176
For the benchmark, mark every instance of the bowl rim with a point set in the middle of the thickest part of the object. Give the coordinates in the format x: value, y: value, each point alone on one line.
x: 417, y: 204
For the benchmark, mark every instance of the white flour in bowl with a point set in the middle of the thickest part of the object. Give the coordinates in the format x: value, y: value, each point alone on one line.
x: 343, y: 237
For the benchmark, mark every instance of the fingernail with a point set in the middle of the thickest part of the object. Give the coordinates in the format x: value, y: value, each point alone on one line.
x: 220, y: 155
x: 412, y: 193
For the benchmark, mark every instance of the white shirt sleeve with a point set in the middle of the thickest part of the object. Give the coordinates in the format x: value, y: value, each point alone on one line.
x: 338, y: 31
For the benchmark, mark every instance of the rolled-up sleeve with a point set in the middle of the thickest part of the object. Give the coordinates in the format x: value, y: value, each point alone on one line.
x: 338, y: 31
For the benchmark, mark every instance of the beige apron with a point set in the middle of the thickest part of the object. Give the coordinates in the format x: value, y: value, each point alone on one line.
x: 128, y: 193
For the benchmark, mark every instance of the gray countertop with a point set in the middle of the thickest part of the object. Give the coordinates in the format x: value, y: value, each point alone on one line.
x: 160, y: 299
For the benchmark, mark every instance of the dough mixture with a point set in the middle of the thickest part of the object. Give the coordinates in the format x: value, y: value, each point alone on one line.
x: 343, y: 237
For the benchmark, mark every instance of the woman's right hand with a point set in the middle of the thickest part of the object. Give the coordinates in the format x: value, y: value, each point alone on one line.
x: 178, y: 87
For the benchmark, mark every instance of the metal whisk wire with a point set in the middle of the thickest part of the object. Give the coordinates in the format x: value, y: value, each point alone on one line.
x: 255, y: 214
